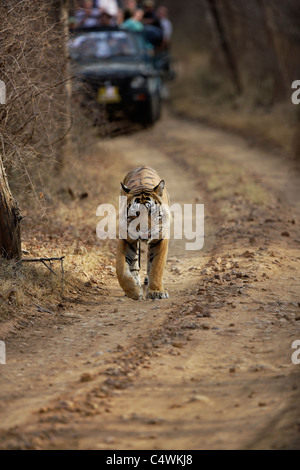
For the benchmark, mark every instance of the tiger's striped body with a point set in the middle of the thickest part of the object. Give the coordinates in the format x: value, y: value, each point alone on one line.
x: 144, y: 190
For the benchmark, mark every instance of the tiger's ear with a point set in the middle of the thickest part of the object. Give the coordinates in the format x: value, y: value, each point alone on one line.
x: 125, y: 189
x: 159, y: 188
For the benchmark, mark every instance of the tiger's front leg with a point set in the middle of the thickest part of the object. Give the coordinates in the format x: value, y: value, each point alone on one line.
x: 157, y: 257
x: 127, y: 268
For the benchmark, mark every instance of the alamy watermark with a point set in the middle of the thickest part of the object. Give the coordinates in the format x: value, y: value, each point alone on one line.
x: 296, y: 94
x: 188, y: 222
x: 2, y: 92
x: 296, y: 354
x: 2, y: 353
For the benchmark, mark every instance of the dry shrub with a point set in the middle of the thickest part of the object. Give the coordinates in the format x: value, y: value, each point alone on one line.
x: 22, y: 288
x: 35, y: 119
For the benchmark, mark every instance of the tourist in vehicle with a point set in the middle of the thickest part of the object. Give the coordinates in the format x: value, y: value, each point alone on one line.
x: 129, y: 7
x: 87, y: 16
x: 166, y: 25
x: 106, y: 19
x: 150, y: 18
x: 152, y: 27
x: 134, y: 23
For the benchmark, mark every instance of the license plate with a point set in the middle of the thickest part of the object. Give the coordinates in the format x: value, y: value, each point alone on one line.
x: 108, y: 94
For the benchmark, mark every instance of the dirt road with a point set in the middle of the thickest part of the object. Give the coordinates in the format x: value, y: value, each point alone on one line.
x: 209, y: 368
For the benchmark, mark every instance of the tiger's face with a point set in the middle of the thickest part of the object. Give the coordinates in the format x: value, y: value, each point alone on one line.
x: 144, y: 217
x: 146, y: 214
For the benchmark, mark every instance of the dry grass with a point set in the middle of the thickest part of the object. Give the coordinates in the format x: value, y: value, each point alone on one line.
x: 60, y: 220
x: 22, y: 287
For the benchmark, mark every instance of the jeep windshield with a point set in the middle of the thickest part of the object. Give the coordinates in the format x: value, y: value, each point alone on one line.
x: 103, y: 45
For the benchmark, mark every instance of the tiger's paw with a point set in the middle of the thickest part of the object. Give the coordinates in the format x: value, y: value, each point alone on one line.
x: 157, y: 295
x: 135, y: 294
x: 135, y: 297
x: 139, y: 297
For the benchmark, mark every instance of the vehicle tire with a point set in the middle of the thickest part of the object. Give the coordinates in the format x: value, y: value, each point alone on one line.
x: 151, y: 110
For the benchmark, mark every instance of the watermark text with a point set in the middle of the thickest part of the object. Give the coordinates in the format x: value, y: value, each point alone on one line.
x: 2, y: 353
x: 296, y: 94
x: 151, y: 222
x: 296, y: 354
x: 2, y: 92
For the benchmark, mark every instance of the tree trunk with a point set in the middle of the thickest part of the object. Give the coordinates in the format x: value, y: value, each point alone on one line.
x: 64, y: 20
x: 60, y: 15
x: 225, y: 45
x: 281, y: 81
x: 10, y: 233
x: 296, y: 142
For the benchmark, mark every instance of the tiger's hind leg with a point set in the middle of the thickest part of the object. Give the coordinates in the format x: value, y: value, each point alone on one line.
x: 127, y: 267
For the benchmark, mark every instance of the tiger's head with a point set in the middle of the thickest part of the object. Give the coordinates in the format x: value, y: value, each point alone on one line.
x: 145, y: 215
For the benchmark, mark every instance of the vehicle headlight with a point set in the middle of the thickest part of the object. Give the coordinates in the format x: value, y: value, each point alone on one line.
x: 138, y: 82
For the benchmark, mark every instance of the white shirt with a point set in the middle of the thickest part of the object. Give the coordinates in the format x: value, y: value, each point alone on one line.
x: 167, y: 28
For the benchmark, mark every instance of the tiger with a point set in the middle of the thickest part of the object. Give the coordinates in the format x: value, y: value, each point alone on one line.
x: 147, y: 207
